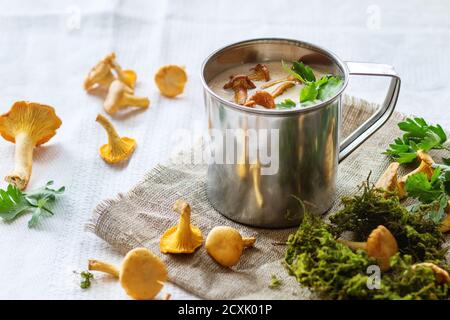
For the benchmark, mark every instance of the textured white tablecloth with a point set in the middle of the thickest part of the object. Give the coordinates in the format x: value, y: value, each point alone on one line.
x: 47, y: 47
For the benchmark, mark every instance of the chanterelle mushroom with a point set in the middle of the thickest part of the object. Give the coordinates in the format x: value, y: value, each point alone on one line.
x: 425, y: 166
x: 184, y: 237
x: 142, y: 274
x: 225, y: 245
x: 262, y: 98
x: 121, y: 96
x: 445, y: 223
x: 282, y: 88
x: 129, y: 78
x: 441, y: 275
x: 101, y: 74
x: 171, y: 80
x: 277, y: 81
x: 117, y: 149
x: 380, y: 245
x: 240, y: 85
x: 260, y: 73
x: 388, y: 180
x: 28, y: 125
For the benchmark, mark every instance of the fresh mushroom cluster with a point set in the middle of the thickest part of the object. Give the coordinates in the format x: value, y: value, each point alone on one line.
x: 389, y: 180
x: 242, y: 83
x: 224, y: 244
x: 107, y: 75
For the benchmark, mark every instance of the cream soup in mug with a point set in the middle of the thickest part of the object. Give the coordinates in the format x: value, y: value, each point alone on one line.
x: 276, y: 72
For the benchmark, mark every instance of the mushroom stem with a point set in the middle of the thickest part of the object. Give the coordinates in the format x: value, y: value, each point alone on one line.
x: 353, y: 244
x: 282, y: 88
x: 426, y: 163
x: 274, y: 82
x: 136, y: 101
x: 240, y: 95
x: 114, y: 140
x: 184, y: 225
x: 23, y: 161
x: 103, y: 267
x: 248, y: 242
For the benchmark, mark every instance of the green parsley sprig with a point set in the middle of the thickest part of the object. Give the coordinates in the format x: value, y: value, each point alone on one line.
x: 314, y: 90
x: 419, y: 135
x: 14, y: 203
x: 434, y: 192
x: 286, y: 104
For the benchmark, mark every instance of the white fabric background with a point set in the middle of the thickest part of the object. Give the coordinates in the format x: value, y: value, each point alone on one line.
x: 44, y: 59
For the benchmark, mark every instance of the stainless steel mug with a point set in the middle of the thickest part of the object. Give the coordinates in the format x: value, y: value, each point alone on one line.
x: 308, y: 143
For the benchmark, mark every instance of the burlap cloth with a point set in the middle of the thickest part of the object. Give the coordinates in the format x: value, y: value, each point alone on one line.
x: 139, y: 217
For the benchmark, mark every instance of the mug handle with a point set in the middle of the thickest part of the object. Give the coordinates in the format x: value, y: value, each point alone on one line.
x: 379, y: 118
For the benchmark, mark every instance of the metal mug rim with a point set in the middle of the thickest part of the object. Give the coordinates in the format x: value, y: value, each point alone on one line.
x: 272, y: 112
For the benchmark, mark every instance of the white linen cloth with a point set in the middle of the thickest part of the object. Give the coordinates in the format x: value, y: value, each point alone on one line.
x: 49, y: 46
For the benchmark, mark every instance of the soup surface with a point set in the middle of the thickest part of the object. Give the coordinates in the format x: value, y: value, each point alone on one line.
x: 276, y: 72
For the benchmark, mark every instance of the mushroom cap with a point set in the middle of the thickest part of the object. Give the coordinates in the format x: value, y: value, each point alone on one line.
x: 225, y: 245
x: 173, y: 241
x: 142, y: 274
x: 382, y: 245
x: 130, y: 78
x: 263, y: 98
x: 101, y: 71
x: 441, y: 275
x: 116, y: 92
x: 425, y: 157
x: 262, y: 71
x: 39, y: 121
x: 184, y: 237
x: 388, y: 180
x: 239, y: 81
x: 170, y: 80
x: 118, y: 154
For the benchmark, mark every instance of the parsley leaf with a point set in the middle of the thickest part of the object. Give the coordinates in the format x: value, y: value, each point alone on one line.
x: 329, y: 87
x: 304, y: 71
x: 300, y: 71
x: 286, y: 104
x: 321, y: 89
x: 419, y: 135
x: 314, y: 90
x: 309, y: 93
x: 14, y: 202
x: 433, y: 192
x: 418, y: 186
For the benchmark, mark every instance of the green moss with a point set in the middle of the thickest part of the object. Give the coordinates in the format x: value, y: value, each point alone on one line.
x: 319, y: 262
x: 416, y: 235
x: 334, y: 271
